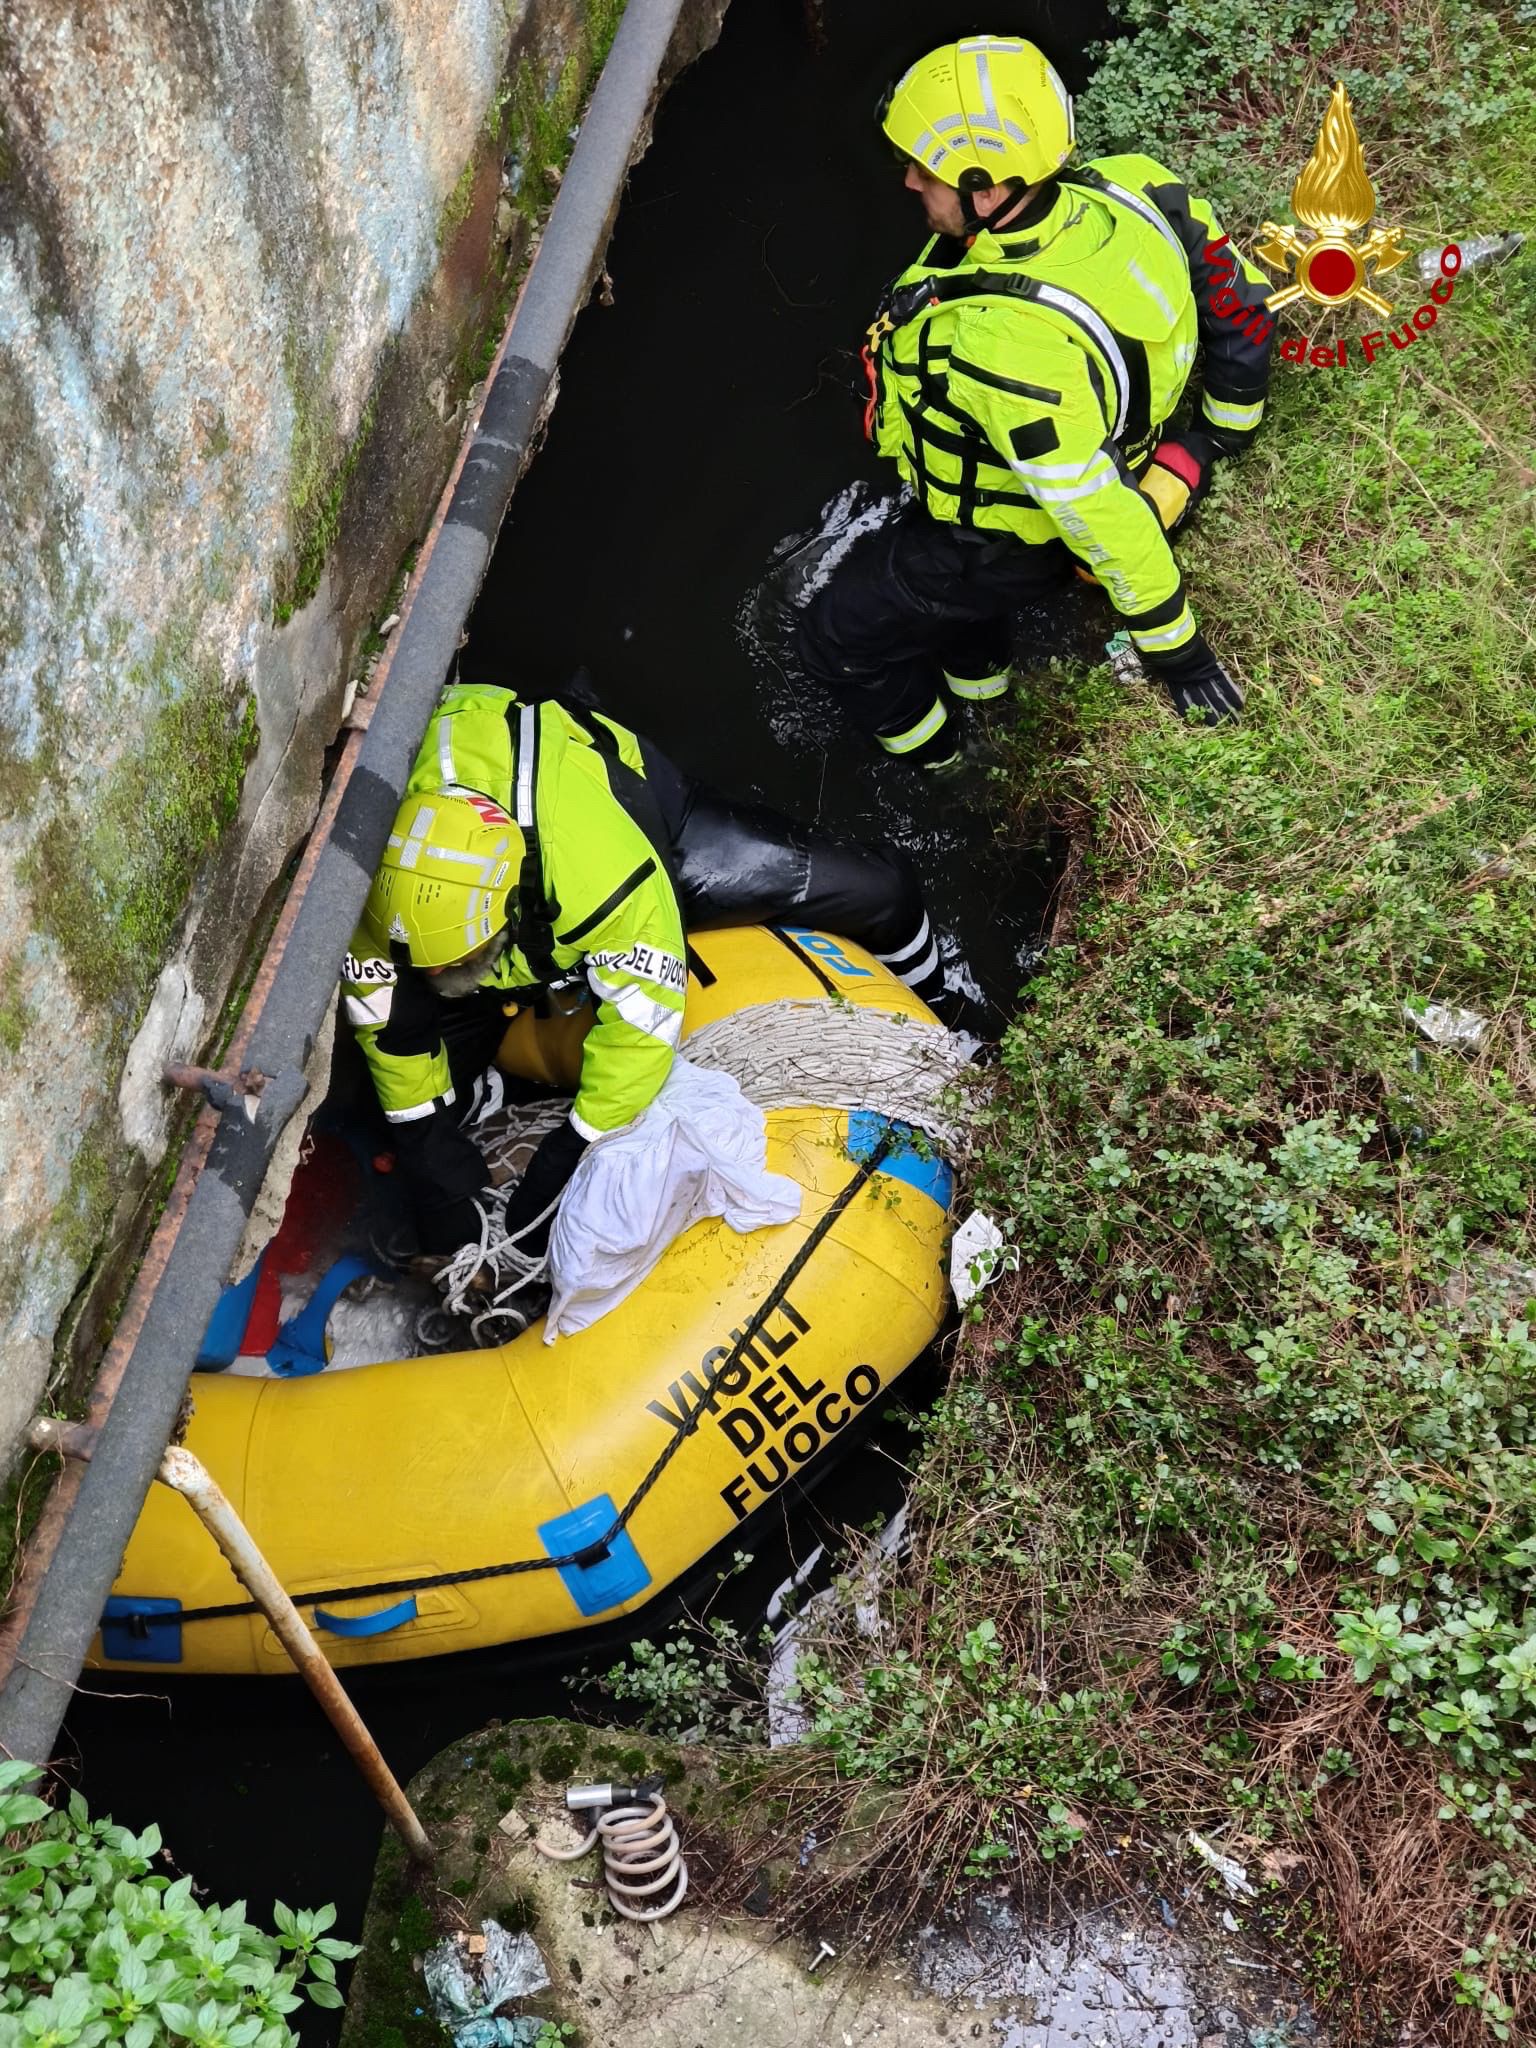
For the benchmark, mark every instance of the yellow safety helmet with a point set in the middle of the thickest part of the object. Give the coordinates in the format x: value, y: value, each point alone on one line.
x: 981, y: 111
x: 442, y: 889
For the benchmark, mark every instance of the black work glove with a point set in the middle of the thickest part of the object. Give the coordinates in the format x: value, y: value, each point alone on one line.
x: 1179, y: 475
x: 1196, y: 682
x: 414, y: 1025
x: 548, y: 1171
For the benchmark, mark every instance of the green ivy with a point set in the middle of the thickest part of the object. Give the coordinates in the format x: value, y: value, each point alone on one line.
x: 94, y: 1949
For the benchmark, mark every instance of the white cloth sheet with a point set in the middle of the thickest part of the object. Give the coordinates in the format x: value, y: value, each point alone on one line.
x: 699, y: 1150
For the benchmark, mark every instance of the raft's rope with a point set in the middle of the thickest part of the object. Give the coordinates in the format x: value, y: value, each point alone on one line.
x: 795, y: 1053
x: 639, y: 1843
x: 481, y: 1283
x: 790, y: 1054
x: 593, y: 1553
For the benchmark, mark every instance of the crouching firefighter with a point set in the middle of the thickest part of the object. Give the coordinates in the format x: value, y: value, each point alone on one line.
x: 545, y: 858
x: 1023, y: 374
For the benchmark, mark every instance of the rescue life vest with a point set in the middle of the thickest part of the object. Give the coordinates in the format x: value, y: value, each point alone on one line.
x: 975, y: 473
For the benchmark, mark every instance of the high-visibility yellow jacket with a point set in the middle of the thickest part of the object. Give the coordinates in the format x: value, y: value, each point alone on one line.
x: 1021, y: 381
x: 613, y: 916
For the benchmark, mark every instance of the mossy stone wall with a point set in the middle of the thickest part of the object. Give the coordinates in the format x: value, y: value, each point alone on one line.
x: 249, y: 263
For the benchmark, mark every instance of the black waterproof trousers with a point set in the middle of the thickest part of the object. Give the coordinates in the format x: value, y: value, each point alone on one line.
x: 734, y: 864
x: 917, y: 614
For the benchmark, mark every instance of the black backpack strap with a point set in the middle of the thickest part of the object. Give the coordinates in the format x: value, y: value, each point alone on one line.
x: 534, y: 926
x: 631, y: 787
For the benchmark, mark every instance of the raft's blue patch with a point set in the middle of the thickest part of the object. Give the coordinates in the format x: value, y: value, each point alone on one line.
x: 135, y: 1631
x: 300, y: 1346
x: 612, y: 1579
x: 923, y: 1170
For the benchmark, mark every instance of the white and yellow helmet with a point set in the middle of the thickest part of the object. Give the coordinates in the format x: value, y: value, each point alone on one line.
x: 981, y: 111
x: 443, y: 887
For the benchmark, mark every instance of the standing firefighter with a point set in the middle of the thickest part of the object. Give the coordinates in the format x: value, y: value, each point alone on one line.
x: 1022, y: 374
x: 547, y: 858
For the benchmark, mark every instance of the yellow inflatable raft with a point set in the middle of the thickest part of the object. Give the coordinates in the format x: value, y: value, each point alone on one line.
x: 389, y: 1498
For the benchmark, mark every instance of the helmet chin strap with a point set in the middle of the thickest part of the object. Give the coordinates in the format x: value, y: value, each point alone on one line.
x: 1021, y: 201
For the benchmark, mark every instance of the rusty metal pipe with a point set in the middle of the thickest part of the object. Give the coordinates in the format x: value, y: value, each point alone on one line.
x: 187, y: 1475
x: 91, y: 1512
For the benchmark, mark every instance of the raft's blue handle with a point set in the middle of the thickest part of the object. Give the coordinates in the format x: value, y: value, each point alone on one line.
x: 378, y: 1624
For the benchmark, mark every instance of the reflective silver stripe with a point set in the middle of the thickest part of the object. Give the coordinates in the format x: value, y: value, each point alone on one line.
x: 484, y: 866
x: 1150, y: 214
x: 1075, y: 470
x: 366, y: 1013
x: 445, y: 749
x: 1079, y: 310
x: 588, y: 1131
x: 414, y: 1116
x: 1167, y: 636
x: 421, y: 825
x: 1224, y: 414
x: 925, y: 728
x: 1063, y: 494
x: 526, y: 739
x: 924, y: 938
x: 914, y: 977
x: 640, y: 1011
x: 1154, y: 291
x: 979, y: 689
x: 984, y: 80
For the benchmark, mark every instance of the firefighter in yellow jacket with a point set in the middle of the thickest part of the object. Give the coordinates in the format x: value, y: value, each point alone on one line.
x: 1023, y: 373
x: 546, y: 856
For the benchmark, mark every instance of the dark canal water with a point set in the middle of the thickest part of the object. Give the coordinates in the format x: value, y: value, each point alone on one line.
x: 704, y: 416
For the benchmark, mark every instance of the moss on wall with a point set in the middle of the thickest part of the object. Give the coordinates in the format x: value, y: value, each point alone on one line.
x: 109, y: 880
x: 537, y: 109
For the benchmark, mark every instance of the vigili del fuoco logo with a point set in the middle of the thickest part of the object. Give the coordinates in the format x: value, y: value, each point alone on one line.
x: 1334, y: 197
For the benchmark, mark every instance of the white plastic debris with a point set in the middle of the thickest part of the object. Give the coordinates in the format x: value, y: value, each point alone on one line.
x: 469, y: 1977
x: 1227, y: 1868
x: 1476, y: 251
x: 1451, y: 1029
x: 977, y: 1254
x: 1125, y: 664
x: 788, y: 1719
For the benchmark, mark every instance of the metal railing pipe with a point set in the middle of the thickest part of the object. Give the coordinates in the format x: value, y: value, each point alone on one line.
x: 65, y: 1600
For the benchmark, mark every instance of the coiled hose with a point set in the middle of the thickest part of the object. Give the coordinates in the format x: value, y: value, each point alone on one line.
x: 642, y: 1858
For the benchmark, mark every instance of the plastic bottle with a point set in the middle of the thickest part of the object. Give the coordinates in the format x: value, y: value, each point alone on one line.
x: 1476, y: 253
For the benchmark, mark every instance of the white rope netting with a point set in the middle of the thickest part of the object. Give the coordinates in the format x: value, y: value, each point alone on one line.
x: 800, y: 1053
x: 491, y: 1283
x: 793, y: 1054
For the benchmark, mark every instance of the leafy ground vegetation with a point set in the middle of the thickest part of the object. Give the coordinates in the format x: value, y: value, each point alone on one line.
x: 95, y: 1950
x: 1227, y: 1520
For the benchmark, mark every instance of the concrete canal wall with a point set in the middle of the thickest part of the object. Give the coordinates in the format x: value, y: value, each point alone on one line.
x: 252, y: 262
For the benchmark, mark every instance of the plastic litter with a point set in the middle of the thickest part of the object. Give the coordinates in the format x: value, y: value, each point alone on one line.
x: 977, y: 1254
x: 1227, y: 1868
x: 788, y: 1718
x: 1476, y: 253
x: 466, y: 1987
x: 1125, y: 663
x: 1451, y: 1029
x: 699, y: 1150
